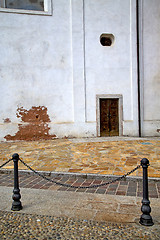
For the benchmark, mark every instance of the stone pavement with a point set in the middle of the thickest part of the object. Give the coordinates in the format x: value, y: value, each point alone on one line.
x: 54, y: 212
x: 120, y: 188
x: 50, y: 213
x: 27, y: 226
x: 105, y: 156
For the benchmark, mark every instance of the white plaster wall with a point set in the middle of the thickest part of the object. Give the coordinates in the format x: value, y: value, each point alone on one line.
x: 112, y: 70
x: 151, y: 74
x: 57, y: 62
x: 77, y: 24
x: 35, y: 67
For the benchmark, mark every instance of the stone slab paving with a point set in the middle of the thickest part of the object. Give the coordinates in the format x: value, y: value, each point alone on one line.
x: 55, y: 212
x: 107, y: 156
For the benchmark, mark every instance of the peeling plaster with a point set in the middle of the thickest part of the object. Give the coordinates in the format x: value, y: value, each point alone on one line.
x: 34, y: 124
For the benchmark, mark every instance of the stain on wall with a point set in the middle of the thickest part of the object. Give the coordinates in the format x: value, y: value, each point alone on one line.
x: 34, y: 124
x: 7, y: 120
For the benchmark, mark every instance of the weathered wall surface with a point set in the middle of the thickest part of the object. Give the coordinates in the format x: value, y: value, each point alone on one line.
x: 36, y: 67
x: 53, y: 67
x: 150, y: 87
x: 112, y: 70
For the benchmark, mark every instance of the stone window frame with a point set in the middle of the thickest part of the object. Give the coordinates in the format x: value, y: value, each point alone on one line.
x: 47, y: 9
x: 120, y: 110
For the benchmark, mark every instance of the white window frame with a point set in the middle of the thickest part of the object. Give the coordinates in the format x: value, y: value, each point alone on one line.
x: 47, y: 9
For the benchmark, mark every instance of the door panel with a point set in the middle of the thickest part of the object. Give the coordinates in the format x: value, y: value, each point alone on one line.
x: 109, y: 120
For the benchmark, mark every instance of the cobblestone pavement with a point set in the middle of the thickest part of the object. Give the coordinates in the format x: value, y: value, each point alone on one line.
x: 97, y: 156
x: 122, y: 188
x: 110, y: 156
x: 22, y: 226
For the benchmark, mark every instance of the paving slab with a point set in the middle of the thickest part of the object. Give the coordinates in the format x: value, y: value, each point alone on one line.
x: 55, y: 213
x: 77, y: 205
x: 77, y: 183
x: 102, y: 156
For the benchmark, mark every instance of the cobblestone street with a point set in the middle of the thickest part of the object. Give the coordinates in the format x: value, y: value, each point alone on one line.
x: 26, y: 226
x: 55, y: 212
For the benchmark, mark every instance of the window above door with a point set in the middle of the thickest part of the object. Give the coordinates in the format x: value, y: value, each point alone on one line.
x: 42, y: 7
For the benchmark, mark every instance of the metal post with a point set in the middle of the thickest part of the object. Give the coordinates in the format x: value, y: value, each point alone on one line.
x: 145, y: 219
x: 16, y: 205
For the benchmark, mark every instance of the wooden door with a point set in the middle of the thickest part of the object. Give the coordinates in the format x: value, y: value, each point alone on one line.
x: 109, y: 119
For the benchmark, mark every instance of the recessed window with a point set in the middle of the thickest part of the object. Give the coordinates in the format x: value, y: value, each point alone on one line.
x: 26, y: 6
x: 36, y: 5
x: 106, y: 39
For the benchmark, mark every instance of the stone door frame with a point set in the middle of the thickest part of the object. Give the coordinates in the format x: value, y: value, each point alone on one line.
x: 120, y: 110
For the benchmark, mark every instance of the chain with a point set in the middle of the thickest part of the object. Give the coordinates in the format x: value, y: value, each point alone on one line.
x: 5, y: 163
x: 70, y: 186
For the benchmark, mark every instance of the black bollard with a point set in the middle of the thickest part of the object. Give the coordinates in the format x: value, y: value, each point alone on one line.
x: 16, y: 205
x: 146, y: 218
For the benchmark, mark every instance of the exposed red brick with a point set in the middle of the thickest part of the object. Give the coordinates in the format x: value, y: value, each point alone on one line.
x: 36, y: 125
x: 35, y: 114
